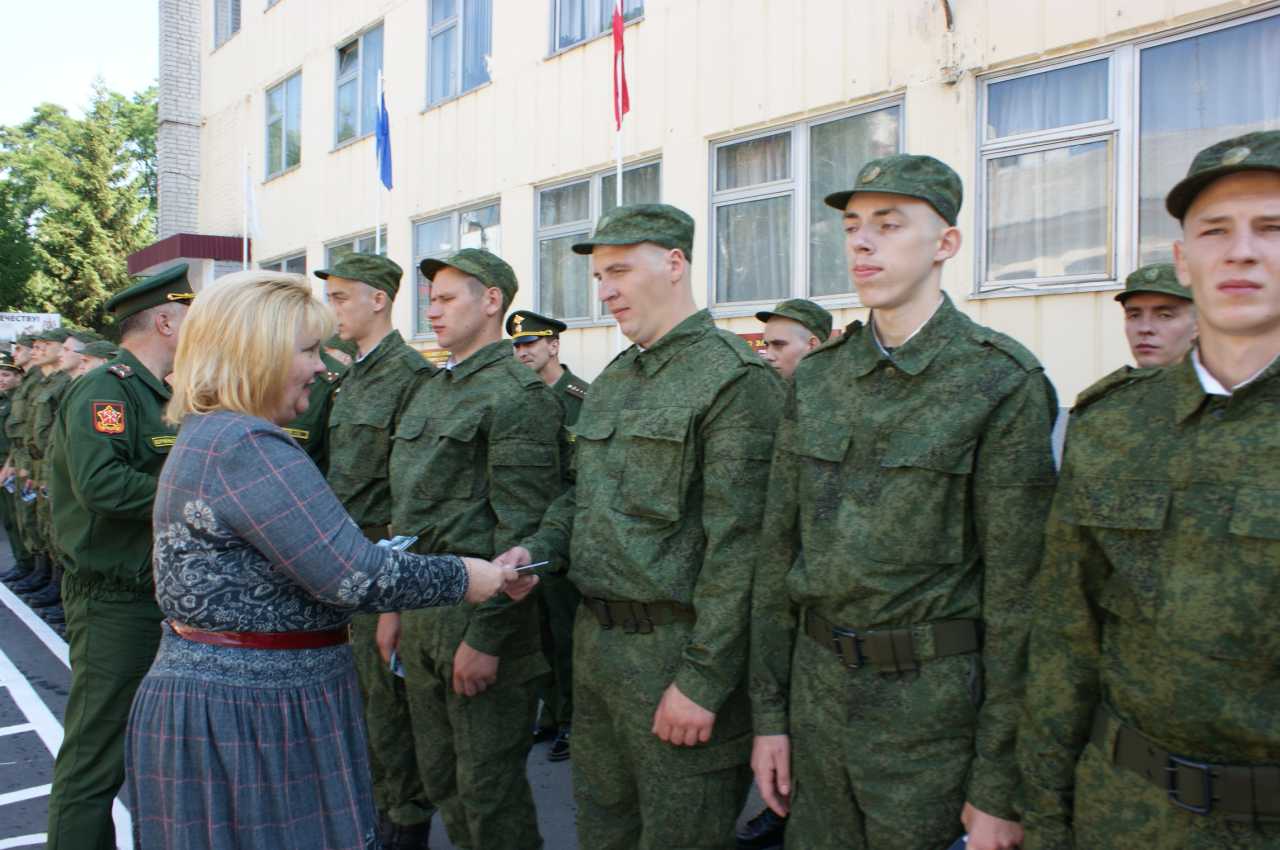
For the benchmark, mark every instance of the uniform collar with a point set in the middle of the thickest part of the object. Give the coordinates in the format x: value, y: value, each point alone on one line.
x: 1194, y: 384
x: 486, y: 356
x: 564, y: 378
x: 379, y: 351
x: 690, y: 330
x: 157, y: 385
x: 914, y: 355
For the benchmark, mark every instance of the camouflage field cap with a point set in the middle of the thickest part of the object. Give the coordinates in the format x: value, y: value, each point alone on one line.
x: 921, y: 177
x: 7, y: 364
x: 661, y: 224
x: 170, y: 285
x: 527, y: 326
x: 1159, y: 278
x: 86, y: 336
x: 100, y: 348
x: 802, y: 310
x: 24, y: 340
x: 1250, y: 152
x: 58, y: 335
x: 375, y: 270
x: 485, y: 266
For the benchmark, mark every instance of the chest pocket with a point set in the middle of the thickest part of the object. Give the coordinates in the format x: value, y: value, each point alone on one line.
x: 447, y: 455
x: 1243, y: 594
x: 922, y: 507
x: 361, y: 442
x: 1127, y: 520
x: 657, y: 462
x: 820, y: 451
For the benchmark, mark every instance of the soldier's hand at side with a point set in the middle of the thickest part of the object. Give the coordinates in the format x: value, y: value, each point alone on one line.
x: 681, y: 721
x: 988, y: 832
x: 473, y: 671
x: 387, y: 636
x: 771, y: 764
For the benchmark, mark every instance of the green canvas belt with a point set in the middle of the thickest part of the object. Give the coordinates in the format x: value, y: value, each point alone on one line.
x: 894, y: 650
x: 637, y: 617
x: 1238, y: 791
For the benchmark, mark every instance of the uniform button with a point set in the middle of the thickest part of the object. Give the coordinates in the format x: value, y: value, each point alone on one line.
x: 890, y: 371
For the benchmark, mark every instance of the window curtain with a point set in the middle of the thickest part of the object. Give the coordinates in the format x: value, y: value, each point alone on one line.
x: 477, y: 44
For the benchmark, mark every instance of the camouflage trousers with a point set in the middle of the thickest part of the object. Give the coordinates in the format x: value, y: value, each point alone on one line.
x: 9, y: 516
x: 558, y: 602
x: 472, y: 750
x: 1116, y: 809
x: 879, y: 761
x: 398, y: 791
x: 28, y: 523
x: 635, y: 792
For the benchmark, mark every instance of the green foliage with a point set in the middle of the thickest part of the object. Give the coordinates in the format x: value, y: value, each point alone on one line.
x: 77, y: 196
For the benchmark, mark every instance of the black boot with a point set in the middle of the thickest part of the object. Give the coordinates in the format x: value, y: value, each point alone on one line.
x: 560, y: 747
x: 38, y: 577
x: 19, y: 571
x: 54, y: 616
x: 51, y: 593
x: 763, y: 831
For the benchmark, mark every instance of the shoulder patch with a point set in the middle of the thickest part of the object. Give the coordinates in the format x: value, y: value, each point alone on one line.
x: 1122, y: 377
x: 574, y: 389
x: 1008, y: 346
x: 108, y: 417
x: 120, y: 370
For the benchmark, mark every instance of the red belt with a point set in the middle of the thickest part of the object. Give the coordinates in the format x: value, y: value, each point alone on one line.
x: 264, y: 640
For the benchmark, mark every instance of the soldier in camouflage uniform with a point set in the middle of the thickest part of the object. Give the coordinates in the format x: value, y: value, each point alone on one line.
x: 791, y: 330
x: 1159, y: 316
x: 536, y: 343
x: 10, y: 376
x: 93, y: 355
x: 912, y: 478
x: 18, y: 463
x: 1153, y: 711
x: 476, y: 460
x: 364, y: 412
x: 672, y: 453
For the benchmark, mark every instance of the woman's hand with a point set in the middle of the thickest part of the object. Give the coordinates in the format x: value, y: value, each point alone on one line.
x: 485, y: 580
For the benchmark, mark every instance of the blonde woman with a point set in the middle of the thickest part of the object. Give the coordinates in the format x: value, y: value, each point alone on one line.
x: 247, y: 731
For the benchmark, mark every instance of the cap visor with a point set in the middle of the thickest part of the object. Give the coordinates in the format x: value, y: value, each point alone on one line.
x: 838, y: 200
x: 1181, y: 196
x: 430, y: 267
x: 766, y: 315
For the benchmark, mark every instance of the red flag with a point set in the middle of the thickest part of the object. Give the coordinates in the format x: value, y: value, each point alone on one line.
x: 621, y: 98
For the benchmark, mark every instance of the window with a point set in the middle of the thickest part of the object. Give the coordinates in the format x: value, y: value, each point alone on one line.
x: 450, y: 70
x: 440, y: 236
x: 284, y: 125
x: 226, y: 21
x: 566, y: 214
x: 363, y: 244
x: 1056, y: 198
x: 576, y: 21
x: 359, y: 65
x: 773, y: 236
x: 297, y: 264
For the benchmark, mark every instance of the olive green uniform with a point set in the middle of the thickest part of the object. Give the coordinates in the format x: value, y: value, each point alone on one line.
x: 1155, y: 635
x: 558, y: 598
x: 43, y: 410
x: 8, y: 508
x: 672, y: 455
x: 478, y: 456
x: 364, y: 412
x: 15, y: 428
x: 906, y: 507
x: 108, y: 445
x: 311, y: 429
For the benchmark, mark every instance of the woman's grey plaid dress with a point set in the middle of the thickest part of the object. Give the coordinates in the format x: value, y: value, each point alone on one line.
x: 238, y: 749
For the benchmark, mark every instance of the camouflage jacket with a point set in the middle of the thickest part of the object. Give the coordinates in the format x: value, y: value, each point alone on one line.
x: 42, y: 410
x: 1160, y: 586
x: 917, y: 486
x: 672, y: 456
x: 477, y: 458
x: 364, y: 412
x: 15, y: 427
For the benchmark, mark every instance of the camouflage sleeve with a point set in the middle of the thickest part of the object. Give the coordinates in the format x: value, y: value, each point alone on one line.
x: 525, y: 475
x: 1062, y: 689
x: 103, y: 479
x: 773, y: 618
x: 1012, y: 488
x: 737, y: 444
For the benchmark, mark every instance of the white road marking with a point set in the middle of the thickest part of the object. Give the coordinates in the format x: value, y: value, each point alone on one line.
x: 16, y: 729
x: 34, y: 840
x: 38, y: 714
x: 25, y: 794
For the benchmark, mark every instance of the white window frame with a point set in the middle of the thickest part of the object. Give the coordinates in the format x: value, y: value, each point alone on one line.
x: 595, y: 205
x: 797, y: 187
x: 458, y: 21
x: 284, y: 127
x: 280, y: 264
x: 1125, y: 128
x: 593, y: 10
x: 455, y: 223
x: 354, y: 241
x: 227, y: 17
x: 338, y: 80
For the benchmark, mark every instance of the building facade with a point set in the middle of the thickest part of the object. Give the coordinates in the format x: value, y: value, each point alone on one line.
x: 1067, y: 119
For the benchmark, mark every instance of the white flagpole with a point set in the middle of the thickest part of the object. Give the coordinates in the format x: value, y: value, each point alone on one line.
x: 618, y: 343
x: 244, y: 217
x: 377, y: 179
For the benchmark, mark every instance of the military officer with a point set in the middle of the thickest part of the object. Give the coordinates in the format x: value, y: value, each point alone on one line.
x: 311, y: 429
x: 536, y: 341
x: 1159, y: 316
x: 1152, y: 716
x: 10, y: 376
x: 672, y: 453
x: 912, y: 478
x: 791, y: 330
x: 474, y: 464
x: 93, y: 355
x: 109, y: 442
x: 364, y: 412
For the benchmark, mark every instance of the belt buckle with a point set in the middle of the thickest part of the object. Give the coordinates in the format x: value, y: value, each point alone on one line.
x: 640, y: 623
x: 842, y: 638
x: 1206, y: 780
x: 603, y: 615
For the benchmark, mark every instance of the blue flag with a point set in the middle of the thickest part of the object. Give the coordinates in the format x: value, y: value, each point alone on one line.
x: 384, y: 144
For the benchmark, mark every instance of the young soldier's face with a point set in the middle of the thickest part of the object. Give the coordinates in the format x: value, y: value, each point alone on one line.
x: 537, y: 354
x: 461, y: 308
x: 786, y: 342
x: 354, y: 303
x: 87, y: 364
x: 21, y: 355
x: 1230, y: 254
x: 891, y: 244
x: 70, y: 356
x: 1160, y: 328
